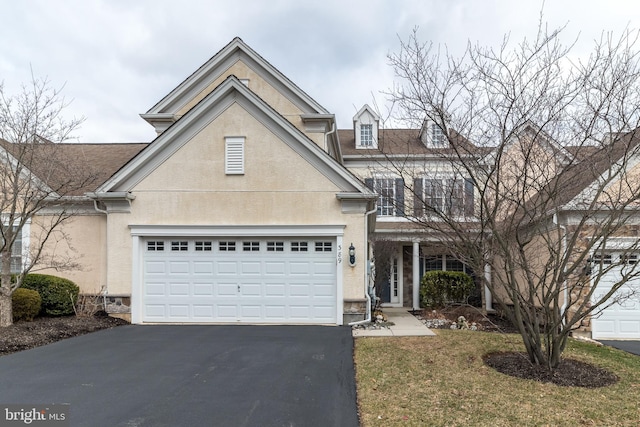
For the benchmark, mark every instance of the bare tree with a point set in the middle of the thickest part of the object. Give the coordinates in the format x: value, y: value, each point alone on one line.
x: 541, y: 148
x: 39, y: 184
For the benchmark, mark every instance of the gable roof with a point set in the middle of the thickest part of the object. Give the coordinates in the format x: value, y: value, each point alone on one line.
x: 72, y: 168
x: 229, y: 92
x: 572, y: 183
x: 217, y: 65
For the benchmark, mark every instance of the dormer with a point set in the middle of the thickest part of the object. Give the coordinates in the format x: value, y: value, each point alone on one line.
x: 365, y: 126
x: 433, y: 135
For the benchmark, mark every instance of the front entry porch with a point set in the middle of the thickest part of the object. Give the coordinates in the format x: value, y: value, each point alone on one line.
x: 399, y: 271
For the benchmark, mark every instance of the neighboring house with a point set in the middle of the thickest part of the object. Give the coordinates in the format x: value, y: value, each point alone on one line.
x: 247, y: 204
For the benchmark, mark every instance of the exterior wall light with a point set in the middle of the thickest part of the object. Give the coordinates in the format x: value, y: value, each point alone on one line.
x: 352, y: 255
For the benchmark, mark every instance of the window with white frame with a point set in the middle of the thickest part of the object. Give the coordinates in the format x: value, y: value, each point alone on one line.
x: 437, y: 136
x: 442, y: 263
x: 234, y: 155
x: 366, y: 135
x: 444, y: 195
x: 390, y: 195
x: 18, y: 247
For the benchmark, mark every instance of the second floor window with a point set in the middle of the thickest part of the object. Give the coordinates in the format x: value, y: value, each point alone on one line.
x: 390, y: 195
x: 366, y: 135
x: 437, y: 136
x: 446, y: 196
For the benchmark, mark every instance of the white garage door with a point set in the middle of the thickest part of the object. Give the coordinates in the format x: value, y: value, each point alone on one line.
x: 261, y: 280
x: 622, y: 319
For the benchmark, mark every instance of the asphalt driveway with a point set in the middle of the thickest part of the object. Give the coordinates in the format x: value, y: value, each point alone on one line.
x: 192, y: 375
x: 632, y: 346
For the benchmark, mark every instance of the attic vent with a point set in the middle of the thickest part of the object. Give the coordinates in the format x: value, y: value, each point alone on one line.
x: 234, y: 155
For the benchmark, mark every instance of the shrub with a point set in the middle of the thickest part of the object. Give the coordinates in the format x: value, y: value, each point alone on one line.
x: 438, y: 288
x: 58, y: 295
x: 26, y: 304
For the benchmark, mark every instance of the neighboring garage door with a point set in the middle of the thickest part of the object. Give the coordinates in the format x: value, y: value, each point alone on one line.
x: 261, y: 280
x: 622, y: 319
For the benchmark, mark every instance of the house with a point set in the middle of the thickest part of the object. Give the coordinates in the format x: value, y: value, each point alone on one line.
x: 250, y: 206
x: 239, y: 211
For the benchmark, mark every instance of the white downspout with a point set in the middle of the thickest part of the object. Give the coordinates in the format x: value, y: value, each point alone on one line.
x: 105, y: 288
x: 366, y: 269
x: 565, y: 292
x: 326, y: 136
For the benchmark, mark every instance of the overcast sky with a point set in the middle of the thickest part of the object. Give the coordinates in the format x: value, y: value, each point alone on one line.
x: 117, y: 58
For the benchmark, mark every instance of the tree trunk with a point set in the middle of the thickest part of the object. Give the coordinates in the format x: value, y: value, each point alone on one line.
x: 6, y: 309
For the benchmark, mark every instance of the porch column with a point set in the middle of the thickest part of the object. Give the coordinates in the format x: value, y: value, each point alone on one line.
x: 415, y: 264
x: 488, y: 301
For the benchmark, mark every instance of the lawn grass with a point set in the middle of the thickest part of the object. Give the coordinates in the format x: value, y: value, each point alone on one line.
x: 442, y: 381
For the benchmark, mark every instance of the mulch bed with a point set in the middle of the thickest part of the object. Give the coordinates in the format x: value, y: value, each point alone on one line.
x: 571, y: 373
x: 46, y: 330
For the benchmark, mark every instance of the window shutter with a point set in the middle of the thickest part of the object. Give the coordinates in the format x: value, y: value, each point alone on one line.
x: 234, y: 155
x: 469, y: 203
x: 399, y: 197
x: 418, y: 195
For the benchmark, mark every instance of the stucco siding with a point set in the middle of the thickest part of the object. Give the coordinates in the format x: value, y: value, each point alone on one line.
x: 81, y: 240
x: 258, y: 85
x: 279, y: 187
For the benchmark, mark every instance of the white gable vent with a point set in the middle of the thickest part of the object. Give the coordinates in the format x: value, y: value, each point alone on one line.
x: 234, y: 155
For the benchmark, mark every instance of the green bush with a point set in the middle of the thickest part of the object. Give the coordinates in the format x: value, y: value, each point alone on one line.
x: 438, y: 288
x: 26, y: 304
x: 58, y: 295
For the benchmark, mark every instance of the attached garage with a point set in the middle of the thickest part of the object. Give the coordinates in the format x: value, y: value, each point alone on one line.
x: 238, y: 279
x: 621, y: 320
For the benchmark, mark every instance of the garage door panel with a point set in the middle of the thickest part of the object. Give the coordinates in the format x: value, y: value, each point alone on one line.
x: 275, y: 312
x: 299, y: 289
x: 203, y: 267
x: 251, y: 289
x: 275, y: 280
x: 203, y: 289
x: 300, y: 268
x: 323, y: 290
x: 227, y: 268
x: 620, y: 320
x: 155, y: 311
x: 275, y: 268
x: 630, y: 326
x: 179, y: 289
x: 251, y: 312
x: 275, y: 290
x: 227, y: 289
x: 155, y: 267
x: 248, y: 268
x: 179, y: 267
x: 203, y: 311
x: 179, y: 311
x: 155, y: 289
x: 228, y: 312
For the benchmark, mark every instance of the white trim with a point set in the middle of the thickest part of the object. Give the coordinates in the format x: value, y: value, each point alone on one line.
x: 136, y: 281
x: 339, y: 284
x: 230, y: 92
x: 236, y: 50
x: 236, y: 230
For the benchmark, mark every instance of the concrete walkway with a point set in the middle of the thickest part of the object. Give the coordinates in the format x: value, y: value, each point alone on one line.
x: 405, y: 324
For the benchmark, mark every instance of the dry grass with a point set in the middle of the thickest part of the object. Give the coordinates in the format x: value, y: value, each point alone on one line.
x: 442, y: 381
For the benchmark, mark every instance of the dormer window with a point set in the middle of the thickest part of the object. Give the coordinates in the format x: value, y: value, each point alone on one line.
x: 432, y: 135
x: 437, y: 136
x: 365, y: 128
x: 366, y: 135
